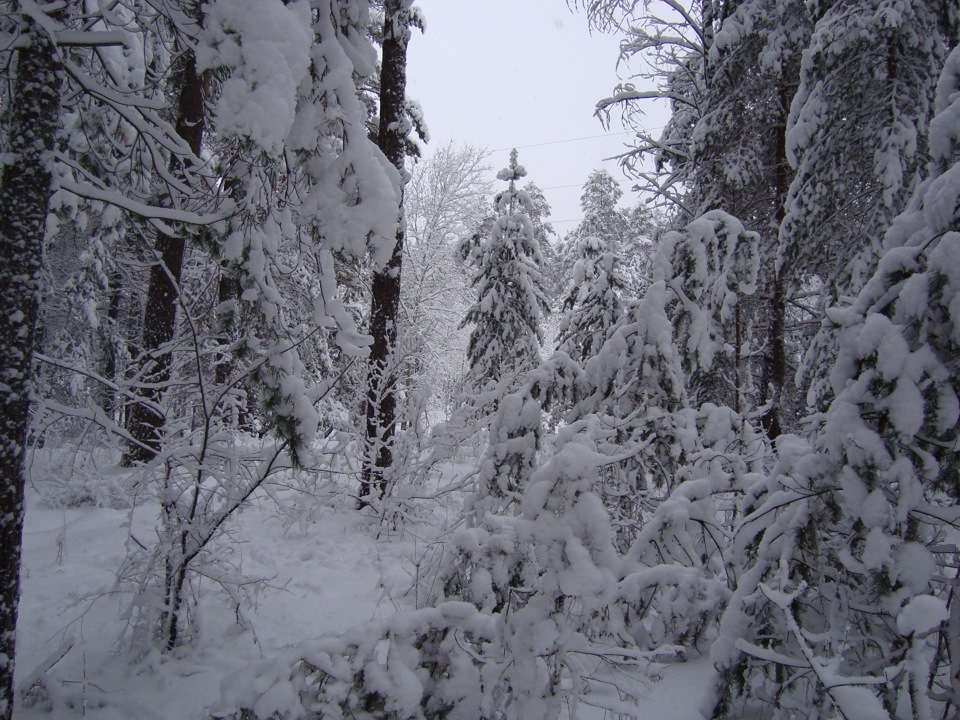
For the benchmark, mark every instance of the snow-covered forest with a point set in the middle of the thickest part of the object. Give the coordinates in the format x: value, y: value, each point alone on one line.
x: 305, y: 416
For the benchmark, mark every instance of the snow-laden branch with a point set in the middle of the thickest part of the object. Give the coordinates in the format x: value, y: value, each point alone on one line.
x: 79, y: 38
x: 150, y: 212
x: 629, y: 93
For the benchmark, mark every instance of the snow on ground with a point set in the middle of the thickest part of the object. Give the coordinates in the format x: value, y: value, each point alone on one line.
x: 319, y: 577
x: 315, y: 582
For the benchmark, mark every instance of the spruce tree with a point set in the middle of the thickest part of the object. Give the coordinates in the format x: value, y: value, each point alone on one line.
x: 594, y: 301
x: 506, y: 336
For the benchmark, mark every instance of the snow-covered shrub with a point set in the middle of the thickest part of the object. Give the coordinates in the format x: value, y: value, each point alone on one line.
x: 678, y: 581
x: 527, y: 612
x: 522, y: 623
x: 514, y: 435
x: 68, y: 477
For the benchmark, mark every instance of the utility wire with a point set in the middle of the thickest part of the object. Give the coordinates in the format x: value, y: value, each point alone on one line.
x: 558, y: 142
x: 563, y: 187
x: 570, y: 140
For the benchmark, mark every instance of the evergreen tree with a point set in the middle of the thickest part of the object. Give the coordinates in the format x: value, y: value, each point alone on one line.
x: 728, y: 71
x: 594, y: 302
x: 846, y: 601
x: 506, y: 336
x: 25, y: 191
x: 857, y: 141
x: 381, y: 408
x: 626, y: 232
x: 648, y: 381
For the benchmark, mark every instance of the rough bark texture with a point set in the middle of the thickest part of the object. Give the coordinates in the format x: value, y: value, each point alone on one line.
x: 145, y: 420
x: 776, y: 365
x: 381, y: 415
x: 24, y: 194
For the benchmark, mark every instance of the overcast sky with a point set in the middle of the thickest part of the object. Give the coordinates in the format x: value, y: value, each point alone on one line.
x: 518, y: 73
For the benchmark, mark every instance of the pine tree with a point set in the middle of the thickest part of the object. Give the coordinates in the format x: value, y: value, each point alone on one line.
x: 25, y: 190
x: 712, y: 267
x: 625, y: 232
x: 650, y: 384
x: 740, y: 143
x: 728, y: 71
x: 381, y: 407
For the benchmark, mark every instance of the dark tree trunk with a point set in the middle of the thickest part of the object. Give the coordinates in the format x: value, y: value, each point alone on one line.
x: 24, y: 194
x: 776, y: 365
x: 381, y: 416
x: 145, y: 420
x: 108, y: 339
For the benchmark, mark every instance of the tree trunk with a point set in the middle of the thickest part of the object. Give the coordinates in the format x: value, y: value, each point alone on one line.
x: 24, y: 194
x: 381, y: 415
x: 776, y: 369
x: 108, y: 339
x: 145, y: 420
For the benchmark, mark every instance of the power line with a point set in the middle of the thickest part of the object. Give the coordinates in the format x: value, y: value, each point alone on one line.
x: 558, y: 142
x: 563, y: 187
x: 570, y: 140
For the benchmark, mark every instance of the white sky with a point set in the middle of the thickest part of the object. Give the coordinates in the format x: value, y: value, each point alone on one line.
x: 512, y: 73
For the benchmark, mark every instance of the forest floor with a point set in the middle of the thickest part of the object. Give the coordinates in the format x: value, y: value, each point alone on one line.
x: 320, y: 573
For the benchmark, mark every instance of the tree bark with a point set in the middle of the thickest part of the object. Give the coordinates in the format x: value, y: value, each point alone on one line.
x: 145, y: 420
x: 24, y: 195
x: 776, y: 370
x: 107, y: 339
x: 381, y: 411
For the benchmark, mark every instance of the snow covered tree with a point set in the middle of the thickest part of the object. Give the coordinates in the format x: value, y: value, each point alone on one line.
x: 306, y: 186
x: 445, y: 201
x: 739, y: 147
x: 660, y: 359
x: 145, y: 420
x: 506, y: 336
x: 594, y: 302
x: 857, y: 141
x: 712, y: 266
x: 382, y: 390
x: 30, y: 127
x: 846, y: 602
x: 626, y: 232
x: 728, y: 70
x: 890, y: 52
